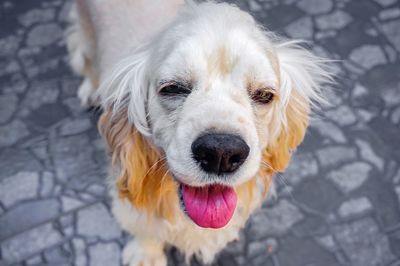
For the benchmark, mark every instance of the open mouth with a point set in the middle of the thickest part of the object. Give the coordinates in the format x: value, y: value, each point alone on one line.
x: 211, y: 206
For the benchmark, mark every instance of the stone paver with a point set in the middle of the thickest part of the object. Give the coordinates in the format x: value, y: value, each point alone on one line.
x: 338, y: 203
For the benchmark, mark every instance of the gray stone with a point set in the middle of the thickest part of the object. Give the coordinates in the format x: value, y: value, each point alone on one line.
x: 29, y: 242
x: 65, y: 11
x: 27, y: 215
x: 97, y: 189
x: 256, y: 248
x: 89, y: 198
x: 8, y: 105
x: 395, y: 117
x: 397, y: 190
x: 75, y: 126
x: 355, y: 207
x: 79, y: 247
x: 96, y: 221
x: 74, y: 106
x: 336, y: 20
x: 57, y: 255
x: 36, y: 260
x: 69, y: 203
x: 68, y: 231
x: 17, y: 84
x: 332, y: 96
x: 16, y: 160
x: 301, y: 28
x: 386, y: 2
x: 275, y: 221
x: 9, y: 45
x: 363, y: 243
x: 391, y: 96
x: 391, y: 53
x: 335, y: 155
x: 47, y: 184
x: 254, y: 6
x: 44, y: 34
x: 389, y: 13
x: 359, y: 91
x: 104, y: 254
x: 9, y: 67
x: 327, y: 242
x: 41, y: 92
x: 329, y: 130
x: 351, y: 176
x: 315, y: 6
x: 368, y: 56
x: 342, y: 115
x: 67, y: 219
x: 353, y: 68
x: 12, y: 133
x: 396, y: 177
x: 392, y: 32
x: 22, y: 186
x: 272, y: 245
x: 72, y: 163
x: 368, y: 154
x: 37, y: 15
x: 302, y: 166
x: 366, y: 115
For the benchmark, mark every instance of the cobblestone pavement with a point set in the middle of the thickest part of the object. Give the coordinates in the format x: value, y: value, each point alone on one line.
x: 338, y: 203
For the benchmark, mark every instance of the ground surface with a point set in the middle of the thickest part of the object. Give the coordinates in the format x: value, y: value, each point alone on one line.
x: 338, y: 204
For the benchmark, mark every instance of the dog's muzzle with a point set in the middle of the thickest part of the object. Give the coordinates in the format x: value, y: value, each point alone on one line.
x: 220, y: 153
x: 213, y: 205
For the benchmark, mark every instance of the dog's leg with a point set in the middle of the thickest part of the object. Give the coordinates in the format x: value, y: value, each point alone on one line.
x: 144, y: 252
x: 80, y: 42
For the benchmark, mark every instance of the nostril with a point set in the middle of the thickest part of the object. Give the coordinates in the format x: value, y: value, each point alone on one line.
x: 235, y: 159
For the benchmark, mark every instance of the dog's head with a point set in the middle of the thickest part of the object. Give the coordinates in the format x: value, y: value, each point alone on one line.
x: 219, y: 99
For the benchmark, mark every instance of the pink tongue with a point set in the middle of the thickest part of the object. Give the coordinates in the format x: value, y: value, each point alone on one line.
x: 211, y: 206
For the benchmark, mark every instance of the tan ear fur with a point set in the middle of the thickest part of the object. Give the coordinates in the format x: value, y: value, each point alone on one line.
x: 278, y: 154
x: 143, y: 175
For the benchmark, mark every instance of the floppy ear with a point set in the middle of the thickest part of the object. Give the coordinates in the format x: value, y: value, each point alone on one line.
x: 143, y: 178
x: 127, y: 89
x: 301, y: 76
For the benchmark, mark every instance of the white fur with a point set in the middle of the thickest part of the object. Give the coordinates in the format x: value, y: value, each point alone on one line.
x: 132, y: 58
x: 183, y: 234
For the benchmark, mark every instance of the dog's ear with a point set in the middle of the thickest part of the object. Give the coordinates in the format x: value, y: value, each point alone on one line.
x: 301, y: 75
x: 143, y: 178
x: 126, y: 89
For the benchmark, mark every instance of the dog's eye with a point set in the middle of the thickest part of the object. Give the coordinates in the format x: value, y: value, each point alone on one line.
x: 262, y: 96
x: 175, y: 90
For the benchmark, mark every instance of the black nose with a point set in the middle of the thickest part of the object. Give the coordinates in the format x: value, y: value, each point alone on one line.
x: 220, y: 153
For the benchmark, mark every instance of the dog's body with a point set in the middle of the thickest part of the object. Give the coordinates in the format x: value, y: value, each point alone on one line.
x: 208, y: 75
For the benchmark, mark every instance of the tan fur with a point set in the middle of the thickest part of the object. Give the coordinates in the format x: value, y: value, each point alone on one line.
x: 143, y: 177
x: 220, y: 63
x: 278, y: 154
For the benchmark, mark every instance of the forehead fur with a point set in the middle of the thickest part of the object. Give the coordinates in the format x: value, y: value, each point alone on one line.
x: 213, y: 38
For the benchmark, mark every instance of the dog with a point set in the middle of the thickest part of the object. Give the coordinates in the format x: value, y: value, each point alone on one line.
x: 201, y: 106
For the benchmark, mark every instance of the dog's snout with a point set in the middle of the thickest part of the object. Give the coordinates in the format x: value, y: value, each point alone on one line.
x: 220, y: 153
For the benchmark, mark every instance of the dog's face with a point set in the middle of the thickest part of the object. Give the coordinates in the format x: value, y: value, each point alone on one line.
x: 210, y: 102
x: 219, y: 99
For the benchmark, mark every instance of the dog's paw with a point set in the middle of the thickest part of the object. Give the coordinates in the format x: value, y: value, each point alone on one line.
x: 136, y: 254
x: 85, y: 93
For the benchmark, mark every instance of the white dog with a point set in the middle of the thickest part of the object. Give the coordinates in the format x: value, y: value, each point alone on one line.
x: 201, y: 107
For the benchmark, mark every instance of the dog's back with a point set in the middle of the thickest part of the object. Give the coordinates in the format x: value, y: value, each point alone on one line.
x: 103, y: 32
